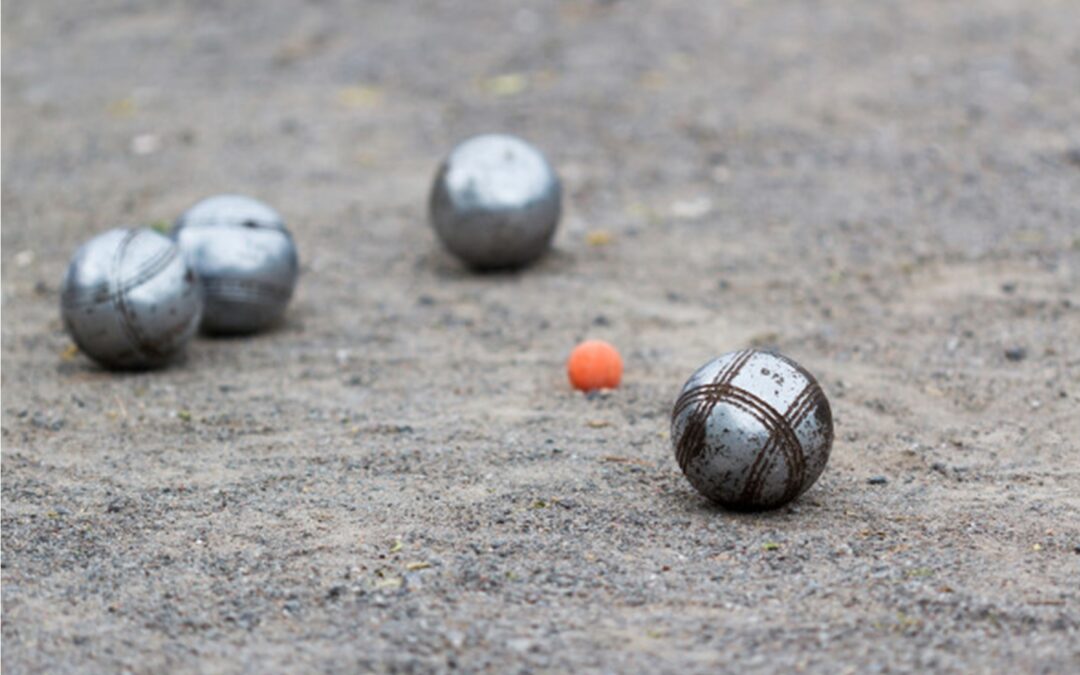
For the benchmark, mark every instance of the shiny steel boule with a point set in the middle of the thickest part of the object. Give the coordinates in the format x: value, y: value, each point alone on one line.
x: 752, y: 429
x: 129, y: 300
x: 245, y: 258
x: 496, y: 202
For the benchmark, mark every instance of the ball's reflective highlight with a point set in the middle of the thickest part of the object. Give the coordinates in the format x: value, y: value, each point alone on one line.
x: 129, y: 299
x: 245, y: 258
x: 496, y: 202
x: 752, y: 429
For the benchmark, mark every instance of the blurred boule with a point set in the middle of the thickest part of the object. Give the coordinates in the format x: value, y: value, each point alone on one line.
x: 495, y: 202
x: 129, y: 299
x: 245, y: 259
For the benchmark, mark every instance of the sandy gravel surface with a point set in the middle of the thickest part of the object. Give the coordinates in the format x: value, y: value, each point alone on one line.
x: 399, y: 478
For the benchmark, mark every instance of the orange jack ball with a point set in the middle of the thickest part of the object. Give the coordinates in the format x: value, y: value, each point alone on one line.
x: 594, y: 364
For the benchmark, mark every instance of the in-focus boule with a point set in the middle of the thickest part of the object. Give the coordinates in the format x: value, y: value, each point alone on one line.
x: 245, y: 259
x: 496, y: 202
x: 129, y: 299
x: 752, y: 430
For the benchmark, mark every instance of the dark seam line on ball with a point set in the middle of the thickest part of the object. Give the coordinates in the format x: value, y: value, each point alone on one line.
x: 773, y: 422
x: 693, y: 436
x: 692, y: 440
x: 137, y: 339
x: 766, y: 460
x: 242, y: 289
x: 723, y: 377
x: 728, y: 372
x: 117, y: 296
x: 776, y: 424
x: 148, y: 271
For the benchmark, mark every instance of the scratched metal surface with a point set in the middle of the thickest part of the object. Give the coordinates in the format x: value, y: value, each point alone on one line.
x: 752, y: 430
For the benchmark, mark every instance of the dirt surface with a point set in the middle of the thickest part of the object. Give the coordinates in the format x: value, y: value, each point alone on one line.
x: 399, y: 477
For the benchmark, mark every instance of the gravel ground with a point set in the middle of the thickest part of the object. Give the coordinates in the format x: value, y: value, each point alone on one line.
x: 399, y: 477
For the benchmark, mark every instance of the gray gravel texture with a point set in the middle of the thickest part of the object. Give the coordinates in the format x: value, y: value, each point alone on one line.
x: 399, y: 479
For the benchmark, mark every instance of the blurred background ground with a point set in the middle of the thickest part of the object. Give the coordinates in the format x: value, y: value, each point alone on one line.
x: 399, y: 477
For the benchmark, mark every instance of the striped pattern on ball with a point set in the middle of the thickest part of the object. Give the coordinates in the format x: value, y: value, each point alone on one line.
x: 246, y: 291
x: 113, y: 287
x: 783, y: 437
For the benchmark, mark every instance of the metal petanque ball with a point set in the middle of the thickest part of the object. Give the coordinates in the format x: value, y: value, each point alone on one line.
x: 129, y: 300
x: 752, y: 430
x: 245, y: 259
x: 496, y: 202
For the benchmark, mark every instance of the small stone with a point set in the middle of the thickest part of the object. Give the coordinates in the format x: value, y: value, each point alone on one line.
x: 599, y: 238
x: 520, y: 645
x: 41, y: 421
x: 877, y: 480
x: 145, y: 144
x: 1016, y: 353
x: 692, y: 209
x: 335, y: 592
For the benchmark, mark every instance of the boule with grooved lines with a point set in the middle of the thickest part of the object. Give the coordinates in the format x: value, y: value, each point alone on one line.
x: 129, y: 299
x: 245, y: 259
x: 752, y: 430
x: 495, y: 202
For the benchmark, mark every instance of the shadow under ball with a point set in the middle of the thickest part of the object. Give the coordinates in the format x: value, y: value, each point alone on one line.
x: 752, y: 430
x: 129, y: 299
x: 245, y: 259
x: 496, y: 202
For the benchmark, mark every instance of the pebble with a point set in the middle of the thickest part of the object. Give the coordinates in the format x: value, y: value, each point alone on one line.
x: 1016, y: 353
x: 335, y: 592
x: 145, y: 144
x: 42, y: 421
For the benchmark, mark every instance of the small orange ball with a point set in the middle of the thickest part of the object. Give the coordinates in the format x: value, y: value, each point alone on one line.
x: 594, y: 364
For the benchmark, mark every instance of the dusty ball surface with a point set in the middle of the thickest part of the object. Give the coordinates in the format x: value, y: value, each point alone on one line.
x: 245, y: 258
x: 752, y: 429
x: 129, y: 299
x: 495, y: 202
